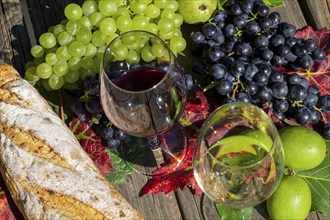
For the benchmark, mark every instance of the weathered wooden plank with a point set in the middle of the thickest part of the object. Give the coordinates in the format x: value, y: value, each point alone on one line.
x: 316, y: 13
x: 16, y: 36
x: 6, y: 53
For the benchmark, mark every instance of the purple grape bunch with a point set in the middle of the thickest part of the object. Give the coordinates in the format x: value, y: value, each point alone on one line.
x: 240, y: 50
x: 88, y: 108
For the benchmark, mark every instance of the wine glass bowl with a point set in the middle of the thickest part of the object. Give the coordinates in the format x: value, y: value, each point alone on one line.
x: 238, y: 158
x: 143, y: 91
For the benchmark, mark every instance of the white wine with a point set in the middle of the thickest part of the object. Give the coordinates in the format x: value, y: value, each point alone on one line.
x: 237, y: 171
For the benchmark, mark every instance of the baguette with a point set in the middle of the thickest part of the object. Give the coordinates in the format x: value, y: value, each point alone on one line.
x: 47, y: 172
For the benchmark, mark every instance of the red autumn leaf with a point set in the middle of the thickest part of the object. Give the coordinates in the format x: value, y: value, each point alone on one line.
x: 318, y: 74
x: 197, y: 109
x: 92, y: 144
x: 5, y: 211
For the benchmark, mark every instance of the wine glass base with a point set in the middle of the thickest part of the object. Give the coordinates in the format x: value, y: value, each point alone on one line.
x: 173, y: 145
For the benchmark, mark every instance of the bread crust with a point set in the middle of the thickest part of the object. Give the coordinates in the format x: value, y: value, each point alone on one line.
x: 46, y: 170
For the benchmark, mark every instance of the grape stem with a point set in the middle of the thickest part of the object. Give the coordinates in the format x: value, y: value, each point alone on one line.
x: 324, y: 119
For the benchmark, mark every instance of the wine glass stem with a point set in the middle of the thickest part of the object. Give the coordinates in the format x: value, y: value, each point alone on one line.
x: 153, y: 142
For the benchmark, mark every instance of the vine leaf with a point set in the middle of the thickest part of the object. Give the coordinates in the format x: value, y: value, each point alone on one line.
x: 233, y: 214
x: 319, y: 181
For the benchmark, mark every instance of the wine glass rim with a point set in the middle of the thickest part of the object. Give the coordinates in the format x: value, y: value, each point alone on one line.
x: 165, y: 77
x: 235, y: 104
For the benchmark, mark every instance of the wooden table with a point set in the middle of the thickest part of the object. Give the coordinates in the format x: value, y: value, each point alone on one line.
x: 23, y: 21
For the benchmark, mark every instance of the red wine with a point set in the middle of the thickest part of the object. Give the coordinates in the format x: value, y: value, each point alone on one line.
x: 141, y: 78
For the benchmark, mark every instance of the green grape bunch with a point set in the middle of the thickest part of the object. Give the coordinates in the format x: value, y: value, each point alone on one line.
x: 72, y: 50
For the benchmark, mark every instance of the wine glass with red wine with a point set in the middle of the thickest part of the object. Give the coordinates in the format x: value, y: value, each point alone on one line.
x: 143, y: 93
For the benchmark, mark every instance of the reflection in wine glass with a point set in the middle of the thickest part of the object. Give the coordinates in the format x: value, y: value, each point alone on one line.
x: 238, y: 160
x: 143, y: 93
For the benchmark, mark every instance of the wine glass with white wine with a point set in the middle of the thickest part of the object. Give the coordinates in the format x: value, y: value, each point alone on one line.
x: 238, y: 158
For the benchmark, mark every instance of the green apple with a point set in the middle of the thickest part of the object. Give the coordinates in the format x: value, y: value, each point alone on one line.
x: 197, y: 11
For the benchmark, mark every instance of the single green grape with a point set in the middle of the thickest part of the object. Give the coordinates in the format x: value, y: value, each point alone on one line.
x: 140, y: 22
x: 72, y: 27
x: 73, y: 11
x: 152, y: 11
x: 133, y: 57
x: 44, y: 70
x: 178, y: 20
x: 51, y: 58
x: 177, y: 32
x: 146, y: 54
x: 120, y: 53
x: 55, y: 82
x: 107, y: 8
x: 111, y: 37
x: 44, y: 83
x: 124, y: 23
x: 91, y: 50
x: 39, y: 60
x: 95, y: 18
x: 98, y: 39
x: 87, y: 63
x: 61, y: 68
x: 137, y: 7
x: 77, y: 49
x: 47, y: 40
x: 84, y: 21
x: 64, y: 38
x: 100, y: 51
x: 108, y: 26
x: 58, y: 29
x: 153, y: 28
x: 168, y: 35
x: 178, y: 44
x: 161, y: 3
x: 146, y: 2
x: 173, y: 5
x: 74, y: 63
x: 72, y: 76
x: 165, y: 25
x: 168, y: 13
x: 31, y: 75
x: 62, y: 53
x: 37, y: 51
x: 89, y: 7
x: 84, y: 35
x: 158, y: 50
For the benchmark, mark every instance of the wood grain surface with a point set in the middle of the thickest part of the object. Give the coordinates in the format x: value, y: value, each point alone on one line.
x: 23, y: 21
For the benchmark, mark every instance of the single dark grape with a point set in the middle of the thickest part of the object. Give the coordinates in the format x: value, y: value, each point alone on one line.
x: 314, y: 89
x: 267, y: 54
x: 240, y: 21
x: 290, y: 57
x: 299, y: 49
x: 311, y: 45
x: 297, y: 92
x: 112, y: 143
x: 229, y: 30
x: 92, y: 105
x: 243, y: 48
x: 190, y: 82
x: 261, y: 79
x: 252, y: 28
x: 247, y: 6
x: 294, y: 79
x: 215, y: 53
x: 243, y: 97
x: 277, y: 40
x: 261, y: 42
x: 251, y: 88
x: 236, y: 9
x: 280, y: 89
x: 262, y: 11
x: 107, y: 132
x: 306, y: 61
x: 275, y: 17
x: 276, y: 76
x: 229, y: 46
x: 221, y: 24
x: 280, y: 115
x: 219, y: 38
x: 84, y: 117
x: 265, y: 93
x: 291, y: 41
x: 210, y: 30
x: 224, y: 87
x: 287, y: 30
x: 229, y: 100
x: 250, y: 71
x: 94, y: 88
x: 280, y: 105
x: 218, y: 71
x: 265, y: 68
x: 219, y: 15
x: 303, y: 115
x: 318, y: 54
x: 78, y: 108
x: 88, y: 81
x: 315, y: 116
x: 120, y: 135
x: 266, y: 23
x: 198, y: 37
